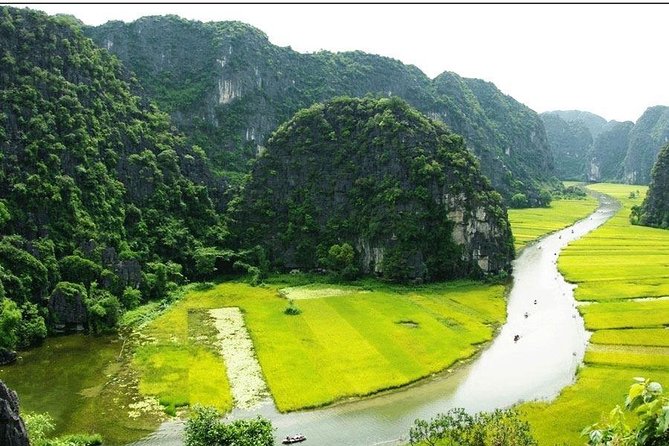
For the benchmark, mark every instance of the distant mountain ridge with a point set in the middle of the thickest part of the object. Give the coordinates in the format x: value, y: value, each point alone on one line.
x: 227, y: 87
x: 587, y: 147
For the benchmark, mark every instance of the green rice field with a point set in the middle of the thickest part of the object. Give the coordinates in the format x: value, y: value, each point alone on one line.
x: 622, y: 273
x: 530, y: 224
x: 372, y: 339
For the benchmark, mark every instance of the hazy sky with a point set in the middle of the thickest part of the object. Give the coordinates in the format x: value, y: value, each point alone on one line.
x: 608, y: 59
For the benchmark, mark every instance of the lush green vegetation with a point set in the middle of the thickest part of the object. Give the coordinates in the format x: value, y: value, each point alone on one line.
x: 613, y: 267
x: 530, y: 224
x: 458, y: 428
x: 40, y: 426
x: 378, y: 175
x: 205, y: 428
x: 649, y: 404
x: 655, y: 208
x: 103, y: 206
x: 368, y: 325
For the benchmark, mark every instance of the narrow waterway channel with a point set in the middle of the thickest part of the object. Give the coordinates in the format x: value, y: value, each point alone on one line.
x: 551, y: 344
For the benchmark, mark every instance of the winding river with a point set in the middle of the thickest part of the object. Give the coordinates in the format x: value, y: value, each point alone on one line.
x: 551, y: 344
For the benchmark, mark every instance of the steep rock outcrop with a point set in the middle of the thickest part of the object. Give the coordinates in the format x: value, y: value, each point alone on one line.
x: 227, y: 87
x: 650, y: 133
x: 571, y: 143
x: 399, y: 187
x: 12, y: 429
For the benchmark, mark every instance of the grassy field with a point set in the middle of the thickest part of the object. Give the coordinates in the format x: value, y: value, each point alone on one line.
x: 530, y: 224
x: 614, y: 267
x: 371, y: 339
x: 179, y: 362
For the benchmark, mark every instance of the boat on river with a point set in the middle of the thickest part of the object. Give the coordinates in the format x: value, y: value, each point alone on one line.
x: 290, y: 439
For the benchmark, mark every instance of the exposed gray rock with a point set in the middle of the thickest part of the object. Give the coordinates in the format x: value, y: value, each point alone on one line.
x: 12, y: 429
x: 67, y: 306
x: 129, y: 272
x: 7, y: 356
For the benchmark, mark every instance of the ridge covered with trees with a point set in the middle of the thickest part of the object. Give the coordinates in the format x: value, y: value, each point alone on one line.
x: 227, y: 87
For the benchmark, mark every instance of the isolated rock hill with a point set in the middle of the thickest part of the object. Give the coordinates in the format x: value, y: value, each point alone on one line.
x: 227, y: 87
x: 655, y: 208
x: 374, y: 173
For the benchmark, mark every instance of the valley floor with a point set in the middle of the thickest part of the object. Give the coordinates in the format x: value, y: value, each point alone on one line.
x: 348, y: 341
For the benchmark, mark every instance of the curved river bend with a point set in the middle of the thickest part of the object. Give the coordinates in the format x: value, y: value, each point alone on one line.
x: 551, y: 345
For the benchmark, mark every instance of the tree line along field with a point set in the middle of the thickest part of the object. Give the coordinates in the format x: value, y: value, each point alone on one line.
x: 621, y: 271
x: 363, y: 334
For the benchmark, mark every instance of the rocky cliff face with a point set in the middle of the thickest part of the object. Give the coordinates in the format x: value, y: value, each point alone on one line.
x: 649, y: 134
x: 622, y: 151
x: 12, y: 430
x: 228, y: 87
x: 399, y: 187
x: 571, y: 142
x: 655, y: 208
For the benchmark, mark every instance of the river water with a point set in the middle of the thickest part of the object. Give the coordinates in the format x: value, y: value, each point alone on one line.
x: 552, y: 340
